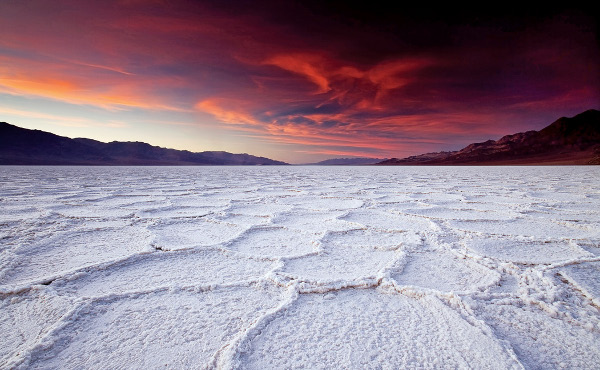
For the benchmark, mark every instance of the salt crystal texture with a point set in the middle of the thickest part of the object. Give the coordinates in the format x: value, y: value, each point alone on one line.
x: 299, y: 267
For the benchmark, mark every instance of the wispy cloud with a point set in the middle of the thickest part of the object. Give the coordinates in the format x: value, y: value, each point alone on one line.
x: 62, y: 120
x: 398, y: 86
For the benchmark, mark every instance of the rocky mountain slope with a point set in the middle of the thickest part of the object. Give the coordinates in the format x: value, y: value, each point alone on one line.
x: 573, y: 140
x: 19, y: 146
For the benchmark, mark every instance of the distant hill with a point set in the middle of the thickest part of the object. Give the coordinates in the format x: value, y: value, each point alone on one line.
x: 567, y: 141
x: 19, y: 146
x: 347, y: 162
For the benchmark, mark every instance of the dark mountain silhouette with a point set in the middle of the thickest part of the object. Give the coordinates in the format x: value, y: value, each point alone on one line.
x: 573, y: 140
x: 346, y: 162
x: 19, y: 146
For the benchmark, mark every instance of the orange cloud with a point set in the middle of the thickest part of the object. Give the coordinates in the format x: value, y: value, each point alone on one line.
x: 395, y: 73
x: 106, y: 68
x: 217, y: 108
x: 69, y: 92
x: 306, y: 65
x: 72, y: 83
x: 348, y: 85
x: 350, y: 72
x: 340, y: 153
x: 54, y: 119
x: 282, y: 83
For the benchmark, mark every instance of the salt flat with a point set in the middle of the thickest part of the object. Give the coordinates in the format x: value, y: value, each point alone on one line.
x: 300, y: 267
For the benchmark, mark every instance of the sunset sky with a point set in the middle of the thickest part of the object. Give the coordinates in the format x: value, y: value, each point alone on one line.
x: 293, y: 81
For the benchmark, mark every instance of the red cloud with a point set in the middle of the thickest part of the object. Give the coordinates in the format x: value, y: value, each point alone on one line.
x: 223, y: 110
x: 341, y: 90
x: 306, y: 65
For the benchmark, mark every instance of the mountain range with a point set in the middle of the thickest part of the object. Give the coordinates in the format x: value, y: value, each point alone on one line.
x: 20, y: 146
x: 347, y: 162
x: 567, y: 141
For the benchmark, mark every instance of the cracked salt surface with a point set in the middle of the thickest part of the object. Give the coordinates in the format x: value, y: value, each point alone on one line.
x: 299, y: 267
x: 365, y: 328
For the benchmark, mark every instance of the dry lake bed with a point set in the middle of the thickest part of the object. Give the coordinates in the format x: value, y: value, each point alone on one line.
x: 300, y: 267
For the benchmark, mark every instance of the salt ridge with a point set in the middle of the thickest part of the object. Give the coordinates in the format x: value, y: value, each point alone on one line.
x: 347, y: 267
